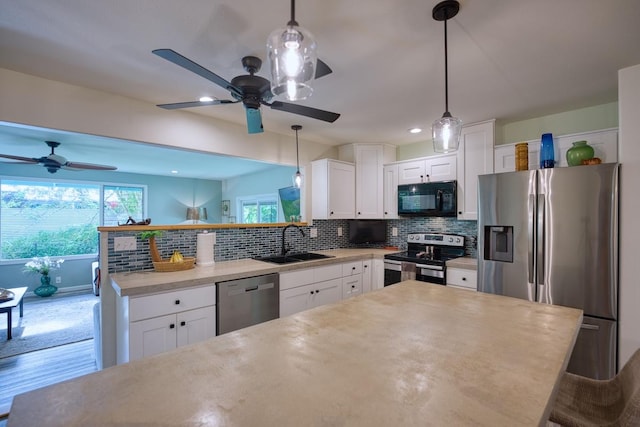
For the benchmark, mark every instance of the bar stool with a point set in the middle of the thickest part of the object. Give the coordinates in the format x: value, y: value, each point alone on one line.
x: 583, y: 402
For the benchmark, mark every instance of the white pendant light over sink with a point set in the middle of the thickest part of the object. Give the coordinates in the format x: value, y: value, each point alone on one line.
x: 446, y: 130
x: 292, y: 52
x: 297, y: 178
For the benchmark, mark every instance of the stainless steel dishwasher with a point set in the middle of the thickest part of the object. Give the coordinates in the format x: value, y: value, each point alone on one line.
x: 246, y: 302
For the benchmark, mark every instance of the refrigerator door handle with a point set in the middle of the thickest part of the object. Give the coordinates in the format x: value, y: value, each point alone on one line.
x: 530, y: 232
x: 540, y: 248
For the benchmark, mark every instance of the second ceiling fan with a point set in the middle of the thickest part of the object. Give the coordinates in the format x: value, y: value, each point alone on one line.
x: 252, y: 90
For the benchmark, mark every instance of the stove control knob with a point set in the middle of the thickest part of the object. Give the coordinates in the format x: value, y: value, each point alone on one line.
x: 450, y: 239
x: 410, y: 236
x: 458, y: 240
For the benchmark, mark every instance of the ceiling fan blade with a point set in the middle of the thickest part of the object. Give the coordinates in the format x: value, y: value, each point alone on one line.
x: 254, y: 120
x: 314, y: 113
x: 178, y: 105
x: 20, y: 158
x: 173, y: 56
x: 322, y: 69
x: 78, y: 165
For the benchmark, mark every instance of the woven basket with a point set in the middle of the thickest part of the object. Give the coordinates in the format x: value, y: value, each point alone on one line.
x: 186, y: 264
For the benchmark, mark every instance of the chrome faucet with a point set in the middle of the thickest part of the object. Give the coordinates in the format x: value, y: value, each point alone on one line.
x: 284, y: 248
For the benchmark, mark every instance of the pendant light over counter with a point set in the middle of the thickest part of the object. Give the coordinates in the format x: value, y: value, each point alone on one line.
x: 446, y: 130
x: 297, y: 178
x: 293, y: 55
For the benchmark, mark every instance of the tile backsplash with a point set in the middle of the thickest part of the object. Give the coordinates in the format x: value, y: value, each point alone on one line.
x: 238, y: 243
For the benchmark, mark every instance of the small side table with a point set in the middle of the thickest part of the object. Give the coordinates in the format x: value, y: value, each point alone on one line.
x: 7, y: 306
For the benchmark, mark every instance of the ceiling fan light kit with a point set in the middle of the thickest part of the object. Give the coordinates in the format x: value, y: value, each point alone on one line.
x: 297, y: 177
x: 292, y: 52
x: 446, y: 130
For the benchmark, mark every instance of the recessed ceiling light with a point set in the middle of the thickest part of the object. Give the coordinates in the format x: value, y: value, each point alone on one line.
x: 206, y: 99
x: 415, y: 130
x: 174, y: 171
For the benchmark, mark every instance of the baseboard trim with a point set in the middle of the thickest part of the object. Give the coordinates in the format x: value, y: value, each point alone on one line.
x: 66, y: 290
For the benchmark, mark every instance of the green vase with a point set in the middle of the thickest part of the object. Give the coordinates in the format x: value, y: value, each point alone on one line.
x: 46, y: 289
x: 579, y: 152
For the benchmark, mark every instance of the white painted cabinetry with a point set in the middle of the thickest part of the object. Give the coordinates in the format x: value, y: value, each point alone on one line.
x: 369, y: 160
x: 604, y: 143
x: 312, y: 287
x: 462, y: 278
x: 152, y: 324
x: 332, y: 189
x: 390, y: 203
x: 475, y: 157
x: 428, y: 169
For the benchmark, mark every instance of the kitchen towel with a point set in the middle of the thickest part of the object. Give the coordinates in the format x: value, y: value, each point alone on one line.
x: 205, y: 243
x: 408, y: 271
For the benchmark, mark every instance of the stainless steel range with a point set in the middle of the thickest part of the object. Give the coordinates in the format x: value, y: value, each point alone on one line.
x: 425, y: 258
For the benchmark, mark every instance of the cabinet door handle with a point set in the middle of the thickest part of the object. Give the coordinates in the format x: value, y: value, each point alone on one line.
x: 353, y: 286
x: 183, y: 323
x: 464, y: 278
x: 365, y: 265
x: 171, y: 326
x: 312, y: 292
x: 331, y: 213
x: 317, y: 291
x: 177, y: 302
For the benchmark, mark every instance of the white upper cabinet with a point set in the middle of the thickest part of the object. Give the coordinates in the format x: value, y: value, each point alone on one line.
x: 429, y: 169
x: 475, y: 157
x: 390, y: 203
x: 369, y: 162
x: 333, y: 190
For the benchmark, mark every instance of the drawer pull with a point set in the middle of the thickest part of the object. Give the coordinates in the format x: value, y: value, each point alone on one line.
x: 464, y: 278
x: 171, y: 326
x: 183, y: 323
x: 312, y: 292
x: 177, y: 302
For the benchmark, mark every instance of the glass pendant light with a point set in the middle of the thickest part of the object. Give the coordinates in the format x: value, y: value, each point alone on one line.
x: 446, y: 130
x: 297, y: 178
x: 292, y: 52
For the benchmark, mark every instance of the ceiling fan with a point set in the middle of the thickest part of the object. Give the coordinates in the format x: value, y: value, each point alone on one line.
x: 250, y: 89
x: 53, y: 161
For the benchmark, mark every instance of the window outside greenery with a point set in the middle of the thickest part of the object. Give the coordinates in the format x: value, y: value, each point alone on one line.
x: 60, y: 218
x: 261, y: 209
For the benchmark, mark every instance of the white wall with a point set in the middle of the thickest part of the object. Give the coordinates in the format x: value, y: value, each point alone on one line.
x: 629, y: 155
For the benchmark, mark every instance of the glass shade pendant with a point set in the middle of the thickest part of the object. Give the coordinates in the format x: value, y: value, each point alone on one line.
x: 446, y: 130
x: 297, y: 177
x: 292, y: 52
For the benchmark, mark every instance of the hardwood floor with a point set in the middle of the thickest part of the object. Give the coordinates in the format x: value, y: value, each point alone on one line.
x: 29, y: 371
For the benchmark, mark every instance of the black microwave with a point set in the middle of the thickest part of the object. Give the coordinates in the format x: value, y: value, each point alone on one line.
x: 427, y: 199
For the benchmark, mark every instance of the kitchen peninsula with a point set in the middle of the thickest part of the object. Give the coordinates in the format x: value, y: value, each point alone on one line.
x: 408, y: 354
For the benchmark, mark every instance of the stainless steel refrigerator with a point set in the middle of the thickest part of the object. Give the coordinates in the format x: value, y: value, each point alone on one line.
x: 551, y: 236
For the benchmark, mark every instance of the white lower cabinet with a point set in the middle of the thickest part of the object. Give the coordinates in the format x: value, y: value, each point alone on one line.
x: 309, y: 296
x: 312, y: 287
x: 153, y: 324
x: 462, y: 278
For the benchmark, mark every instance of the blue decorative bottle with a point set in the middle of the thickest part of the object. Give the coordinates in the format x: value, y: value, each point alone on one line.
x: 546, y: 151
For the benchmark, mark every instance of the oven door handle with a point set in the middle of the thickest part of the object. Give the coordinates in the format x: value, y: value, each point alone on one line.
x: 430, y: 267
x: 390, y: 264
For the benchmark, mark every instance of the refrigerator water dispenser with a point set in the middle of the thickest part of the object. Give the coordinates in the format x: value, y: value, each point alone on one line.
x: 498, y: 243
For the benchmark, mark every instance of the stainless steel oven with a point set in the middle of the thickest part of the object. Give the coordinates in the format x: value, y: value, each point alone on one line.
x: 425, y: 258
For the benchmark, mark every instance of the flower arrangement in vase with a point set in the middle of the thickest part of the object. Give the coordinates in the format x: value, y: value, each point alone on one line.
x: 43, y: 266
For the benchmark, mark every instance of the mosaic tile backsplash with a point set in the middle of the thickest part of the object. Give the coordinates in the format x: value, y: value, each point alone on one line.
x: 238, y: 243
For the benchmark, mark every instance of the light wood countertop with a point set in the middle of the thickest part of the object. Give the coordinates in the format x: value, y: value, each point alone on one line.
x: 145, y: 282
x: 466, y: 262
x: 409, y: 354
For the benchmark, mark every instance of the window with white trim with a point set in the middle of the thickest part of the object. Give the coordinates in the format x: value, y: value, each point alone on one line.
x: 60, y: 218
x: 258, y: 209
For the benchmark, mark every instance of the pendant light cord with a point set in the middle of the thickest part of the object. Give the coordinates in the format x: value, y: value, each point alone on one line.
x: 297, y: 155
x: 446, y: 67
x: 293, y: 22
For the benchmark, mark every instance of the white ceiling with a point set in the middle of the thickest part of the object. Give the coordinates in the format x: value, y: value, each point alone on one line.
x: 508, y: 59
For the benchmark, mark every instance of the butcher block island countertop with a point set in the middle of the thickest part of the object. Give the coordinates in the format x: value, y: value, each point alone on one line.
x: 409, y: 354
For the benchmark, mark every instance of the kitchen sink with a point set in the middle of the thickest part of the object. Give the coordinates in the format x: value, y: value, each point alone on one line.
x: 287, y: 259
